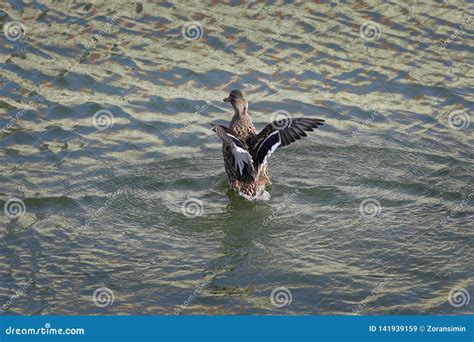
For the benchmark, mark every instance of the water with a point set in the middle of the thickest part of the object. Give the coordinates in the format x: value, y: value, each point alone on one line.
x: 371, y: 214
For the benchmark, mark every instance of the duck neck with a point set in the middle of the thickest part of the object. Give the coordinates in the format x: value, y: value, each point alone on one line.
x: 240, y: 116
x: 242, y: 125
x: 240, y: 110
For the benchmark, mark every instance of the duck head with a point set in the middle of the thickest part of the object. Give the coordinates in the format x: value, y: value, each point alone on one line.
x: 238, y: 101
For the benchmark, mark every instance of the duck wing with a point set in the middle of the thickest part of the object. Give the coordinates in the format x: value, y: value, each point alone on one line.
x: 278, y: 134
x: 236, y: 155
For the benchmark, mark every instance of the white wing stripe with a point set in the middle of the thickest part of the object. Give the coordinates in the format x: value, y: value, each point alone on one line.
x: 270, y: 152
x: 235, y: 139
x: 263, y: 142
x: 241, y: 156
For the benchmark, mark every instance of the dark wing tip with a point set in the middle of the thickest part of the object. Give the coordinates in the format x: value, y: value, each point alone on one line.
x: 311, y: 123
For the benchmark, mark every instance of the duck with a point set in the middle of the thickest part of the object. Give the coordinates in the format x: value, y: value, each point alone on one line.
x: 246, y: 152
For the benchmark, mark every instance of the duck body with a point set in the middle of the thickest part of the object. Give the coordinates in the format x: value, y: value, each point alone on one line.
x: 246, y: 152
x: 250, y: 187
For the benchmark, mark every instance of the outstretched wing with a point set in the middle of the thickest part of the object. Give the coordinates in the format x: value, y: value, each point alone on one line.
x: 237, y: 158
x: 281, y: 133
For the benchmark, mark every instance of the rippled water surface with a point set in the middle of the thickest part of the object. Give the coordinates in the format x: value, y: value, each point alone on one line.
x: 371, y: 214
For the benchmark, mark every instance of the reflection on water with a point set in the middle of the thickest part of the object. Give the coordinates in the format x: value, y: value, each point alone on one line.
x: 105, y: 117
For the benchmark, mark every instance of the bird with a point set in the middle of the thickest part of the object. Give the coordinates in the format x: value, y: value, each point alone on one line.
x: 246, y: 152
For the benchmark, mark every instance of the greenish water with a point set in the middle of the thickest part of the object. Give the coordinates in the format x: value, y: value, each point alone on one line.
x: 371, y: 214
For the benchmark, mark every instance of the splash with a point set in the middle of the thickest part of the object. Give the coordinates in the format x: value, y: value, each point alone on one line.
x: 261, y: 195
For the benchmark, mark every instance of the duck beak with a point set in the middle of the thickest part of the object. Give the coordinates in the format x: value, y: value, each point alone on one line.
x: 227, y: 99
